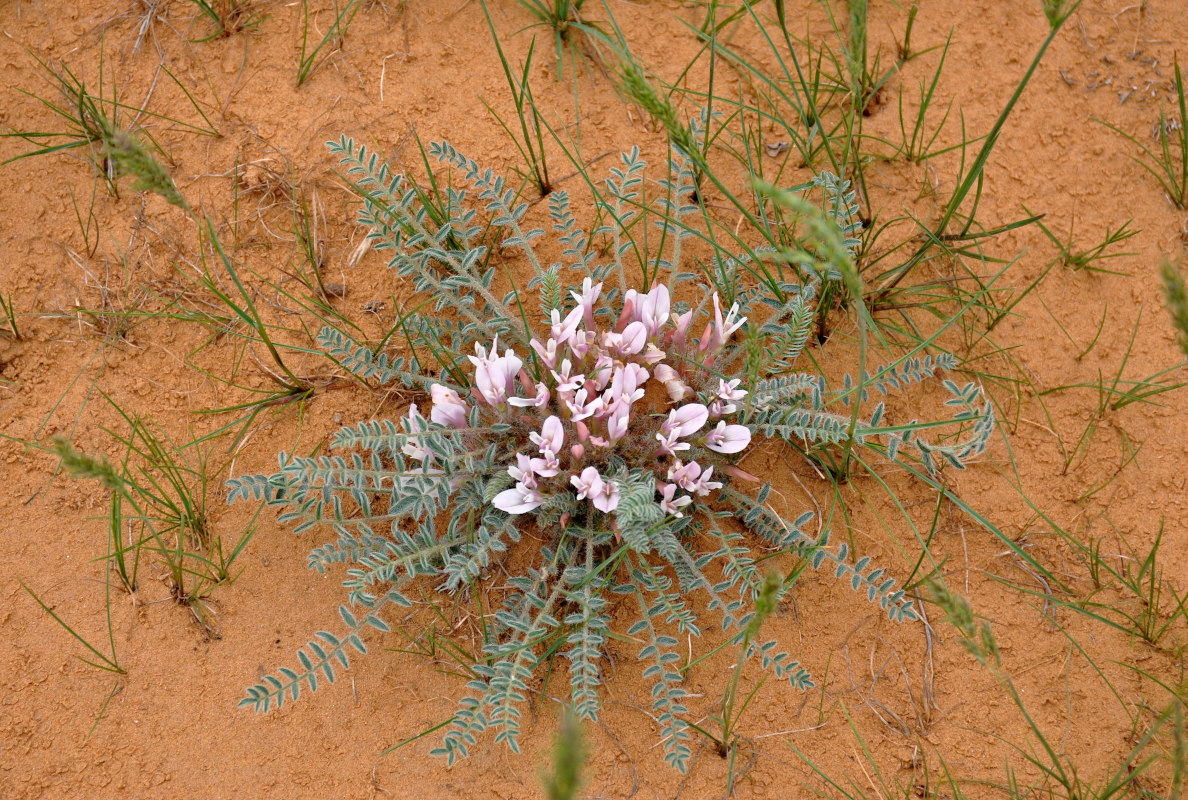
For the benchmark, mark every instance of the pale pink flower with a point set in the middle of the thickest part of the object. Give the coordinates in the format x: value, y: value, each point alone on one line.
x: 630, y: 341
x: 551, y: 436
x: 494, y: 375
x: 548, y: 466
x: 546, y: 351
x: 523, y: 471
x: 604, y: 370
x: 588, y: 484
x: 677, y: 389
x: 580, y: 407
x: 672, y: 504
x: 681, y: 329
x: 518, y: 500
x: 728, y: 438
x: 412, y: 447
x: 703, y: 485
x: 586, y: 300
x: 629, y: 313
x: 652, y: 354
x: 729, y: 391
x: 686, y: 420
x: 580, y: 343
x: 670, y: 445
x: 719, y: 331
x: 625, y: 385
x: 564, y: 330
x: 684, y: 475
x: 653, y: 309
x: 607, y: 499
x: 618, y: 422
x: 448, y: 407
x: 539, y: 400
x: 567, y: 380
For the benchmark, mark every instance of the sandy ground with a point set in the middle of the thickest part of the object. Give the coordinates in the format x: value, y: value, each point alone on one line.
x: 172, y: 728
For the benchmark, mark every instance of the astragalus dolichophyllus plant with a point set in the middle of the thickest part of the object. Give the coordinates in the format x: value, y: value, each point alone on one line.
x: 585, y: 469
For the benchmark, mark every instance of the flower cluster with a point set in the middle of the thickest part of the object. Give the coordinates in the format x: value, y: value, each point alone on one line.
x: 623, y: 392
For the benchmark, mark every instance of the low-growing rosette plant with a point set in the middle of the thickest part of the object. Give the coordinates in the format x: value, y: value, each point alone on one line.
x: 590, y: 461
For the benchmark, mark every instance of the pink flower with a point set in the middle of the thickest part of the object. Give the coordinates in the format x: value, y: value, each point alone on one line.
x: 686, y: 420
x: 540, y: 400
x: 672, y: 504
x: 704, y: 485
x: 551, y: 436
x: 677, y: 389
x: 523, y: 472
x: 564, y: 330
x: 728, y: 438
x: 567, y: 381
x: 580, y: 407
x: 518, y: 500
x: 547, y: 351
x: 617, y: 424
x: 448, y: 407
x: 607, y: 500
x: 494, y: 375
x: 586, y: 300
x: 654, y: 308
x: 684, y: 475
x: 719, y: 331
x: 588, y: 484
